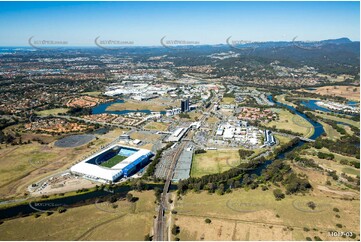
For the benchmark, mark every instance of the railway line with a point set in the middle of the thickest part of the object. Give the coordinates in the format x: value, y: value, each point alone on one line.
x: 159, y: 230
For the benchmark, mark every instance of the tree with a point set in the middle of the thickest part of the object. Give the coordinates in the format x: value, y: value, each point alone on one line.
x: 278, y: 194
x: 220, y: 189
x: 129, y: 197
x: 175, y: 230
x: 311, y: 205
x: 147, y: 237
x: 113, y: 199
x: 61, y: 210
x: 208, y: 221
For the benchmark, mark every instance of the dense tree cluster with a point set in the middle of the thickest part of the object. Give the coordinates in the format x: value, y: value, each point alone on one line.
x: 243, y: 176
x: 200, y: 151
x: 326, y: 156
x: 78, y: 111
x: 245, y: 153
x: 345, y: 147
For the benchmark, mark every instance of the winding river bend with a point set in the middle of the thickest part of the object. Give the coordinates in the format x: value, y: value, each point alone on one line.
x: 91, y: 197
x: 318, y: 131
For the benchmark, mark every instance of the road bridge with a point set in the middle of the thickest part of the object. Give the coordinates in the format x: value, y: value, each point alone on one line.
x: 294, y: 136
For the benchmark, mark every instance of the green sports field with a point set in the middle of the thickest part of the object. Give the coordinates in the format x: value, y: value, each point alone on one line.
x: 113, y: 161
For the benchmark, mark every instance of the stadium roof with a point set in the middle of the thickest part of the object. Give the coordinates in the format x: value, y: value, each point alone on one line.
x: 109, y: 174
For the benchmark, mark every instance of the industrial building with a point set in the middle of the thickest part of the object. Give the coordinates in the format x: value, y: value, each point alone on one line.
x: 171, y: 112
x: 177, y: 134
x: 127, y: 161
x: 269, y: 139
x: 239, y: 131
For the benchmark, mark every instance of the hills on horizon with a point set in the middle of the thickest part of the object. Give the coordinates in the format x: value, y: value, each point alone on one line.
x: 241, y: 43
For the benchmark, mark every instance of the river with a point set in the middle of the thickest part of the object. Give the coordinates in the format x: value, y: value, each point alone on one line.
x: 318, y: 131
x: 66, y: 202
x: 312, y: 104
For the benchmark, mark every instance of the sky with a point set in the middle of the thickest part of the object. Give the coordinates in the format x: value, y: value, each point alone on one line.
x: 146, y: 23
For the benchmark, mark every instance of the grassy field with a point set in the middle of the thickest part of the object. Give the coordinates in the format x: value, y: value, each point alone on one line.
x: 113, y: 161
x: 54, y: 111
x: 282, y: 139
x: 156, y: 126
x: 228, y: 100
x: 332, y: 164
x: 331, y: 132
x: 22, y: 165
x: 212, y: 120
x: 17, y: 162
x: 153, y: 105
x: 93, y: 94
x: 338, y: 157
x: 347, y: 128
x: 194, y: 115
x: 129, y: 221
x: 281, y: 99
x: 255, y: 215
x: 337, y: 119
x: 145, y: 136
x: 292, y: 122
x: 214, y: 161
x: 351, y: 171
x: 349, y: 92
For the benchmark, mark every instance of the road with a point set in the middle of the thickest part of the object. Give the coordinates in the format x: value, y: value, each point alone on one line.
x: 294, y: 136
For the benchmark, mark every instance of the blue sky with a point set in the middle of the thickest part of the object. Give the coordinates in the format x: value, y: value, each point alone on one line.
x: 145, y: 23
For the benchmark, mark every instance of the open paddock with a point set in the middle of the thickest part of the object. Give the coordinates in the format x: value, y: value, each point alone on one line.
x: 99, y: 221
x: 292, y: 122
x: 256, y: 215
x: 349, y: 92
x: 156, y: 126
x: 214, y: 161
